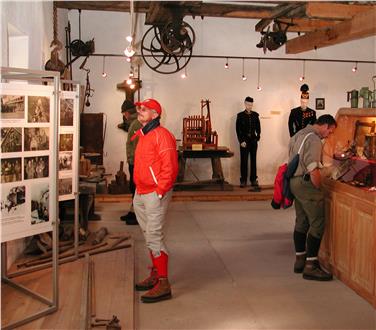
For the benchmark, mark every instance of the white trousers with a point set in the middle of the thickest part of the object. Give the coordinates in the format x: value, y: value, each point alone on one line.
x: 151, y: 215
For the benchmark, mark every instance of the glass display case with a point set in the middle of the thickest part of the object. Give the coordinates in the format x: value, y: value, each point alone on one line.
x: 350, y: 153
x: 349, y: 244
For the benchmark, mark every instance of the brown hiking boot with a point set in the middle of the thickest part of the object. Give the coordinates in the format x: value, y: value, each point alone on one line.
x: 149, y: 282
x: 313, y: 271
x: 161, y: 291
x: 299, y: 263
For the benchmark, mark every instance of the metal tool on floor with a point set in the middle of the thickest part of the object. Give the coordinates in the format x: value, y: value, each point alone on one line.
x: 113, y: 324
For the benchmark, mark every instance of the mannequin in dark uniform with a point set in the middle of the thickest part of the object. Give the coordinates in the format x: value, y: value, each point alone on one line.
x: 301, y: 116
x: 248, y: 130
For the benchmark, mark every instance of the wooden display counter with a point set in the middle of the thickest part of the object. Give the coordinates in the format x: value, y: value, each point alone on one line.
x: 349, y: 243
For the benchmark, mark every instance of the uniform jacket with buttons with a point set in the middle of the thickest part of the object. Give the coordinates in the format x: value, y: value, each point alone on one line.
x: 248, y: 126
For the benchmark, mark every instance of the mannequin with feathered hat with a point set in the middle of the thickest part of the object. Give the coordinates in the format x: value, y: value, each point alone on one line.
x: 301, y: 116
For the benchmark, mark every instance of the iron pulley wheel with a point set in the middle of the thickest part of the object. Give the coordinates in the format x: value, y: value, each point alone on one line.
x: 166, y: 54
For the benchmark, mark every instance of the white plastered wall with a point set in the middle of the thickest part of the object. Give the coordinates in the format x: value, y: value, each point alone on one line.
x: 207, y: 79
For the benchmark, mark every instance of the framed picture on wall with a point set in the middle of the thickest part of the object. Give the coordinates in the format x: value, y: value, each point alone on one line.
x: 320, y: 103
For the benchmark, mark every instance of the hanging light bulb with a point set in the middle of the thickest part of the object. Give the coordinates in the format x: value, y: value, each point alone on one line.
x: 132, y: 86
x: 128, y: 59
x: 184, y: 74
x: 104, y: 74
x: 129, y: 51
x: 129, y: 81
x: 355, y: 67
x: 302, y: 77
x: 131, y: 74
x: 129, y: 38
x: 258, y: 75
x: 243, y: 75
x: 226, y: 64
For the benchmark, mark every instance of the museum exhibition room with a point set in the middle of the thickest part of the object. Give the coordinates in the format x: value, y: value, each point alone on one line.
x: 188, y: 165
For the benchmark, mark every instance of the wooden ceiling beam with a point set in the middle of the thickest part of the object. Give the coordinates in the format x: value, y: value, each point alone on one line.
x: 361, y: 26
x: 304, y: 24
x: 157, y: 14
x: 280, y: 10
x: 191, y: 8
x: 330, y: 10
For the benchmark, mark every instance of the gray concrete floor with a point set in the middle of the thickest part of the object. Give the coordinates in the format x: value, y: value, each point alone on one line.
x: 231, y: 268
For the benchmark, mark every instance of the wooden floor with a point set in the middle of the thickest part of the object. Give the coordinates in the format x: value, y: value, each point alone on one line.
x: 238, y: 194
x: 114, y: 274
x: 114, y: 282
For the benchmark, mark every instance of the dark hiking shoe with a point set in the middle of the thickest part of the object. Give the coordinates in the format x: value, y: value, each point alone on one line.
x: 128, y: 216
x: 312, y: 271
x: 149, y: 282
x: 299, y: 263
x: 242, y: 184
x: 162, y: 291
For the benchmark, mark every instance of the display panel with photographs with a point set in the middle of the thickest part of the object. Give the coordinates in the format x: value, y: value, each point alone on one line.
x: 38, y: 110
x: 11, y: 139
x: 12, y: 107
x: 36, y: 167
x: 66, y: 112
x: 68, y: 145
x: 36, y: 138
x: 11, y: 169
x: 28, y: 162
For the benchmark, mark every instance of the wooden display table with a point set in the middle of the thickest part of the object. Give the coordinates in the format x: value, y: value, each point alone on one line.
x: 217, y: 182
x: 349, y: 243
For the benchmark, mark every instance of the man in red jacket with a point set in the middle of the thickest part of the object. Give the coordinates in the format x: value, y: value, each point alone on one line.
x: 155, y: 171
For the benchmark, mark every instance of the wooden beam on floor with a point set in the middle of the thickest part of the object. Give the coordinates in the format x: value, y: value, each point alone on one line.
x: 361, y: 26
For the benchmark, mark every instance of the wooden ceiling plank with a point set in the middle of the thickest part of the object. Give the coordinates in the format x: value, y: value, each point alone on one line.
x: 361, y: 26
x: 305, y: 24
x: 280, y: 10
x: 334, y: 10
x: 229, y: 11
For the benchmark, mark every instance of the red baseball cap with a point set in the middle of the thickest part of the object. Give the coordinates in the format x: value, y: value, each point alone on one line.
x: 151, y: 104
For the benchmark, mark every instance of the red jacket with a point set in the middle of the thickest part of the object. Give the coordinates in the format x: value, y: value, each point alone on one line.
x: 282, y: 195
x: 155, y: 161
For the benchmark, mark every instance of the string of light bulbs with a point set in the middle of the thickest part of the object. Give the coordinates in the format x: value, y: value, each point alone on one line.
x: 354, y: 68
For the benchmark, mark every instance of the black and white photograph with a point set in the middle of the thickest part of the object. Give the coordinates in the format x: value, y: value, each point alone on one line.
x: 65, y: 186
x: 38, y: 109
x: 66, y: 112
x: 11, y: 170
x: 12, y: 107
x: 320, y: 103
x: 36, y: 138
x: 65, y: 161
x: 11, y: 139
x: 12, y: 201
x: 35, y: 167
x: 39, y: 203
x: 66, y: 142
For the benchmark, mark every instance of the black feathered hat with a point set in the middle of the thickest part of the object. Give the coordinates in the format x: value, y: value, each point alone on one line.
x: 304, y: 89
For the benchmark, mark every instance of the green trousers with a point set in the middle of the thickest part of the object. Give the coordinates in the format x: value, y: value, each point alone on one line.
x: 309, y: 207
